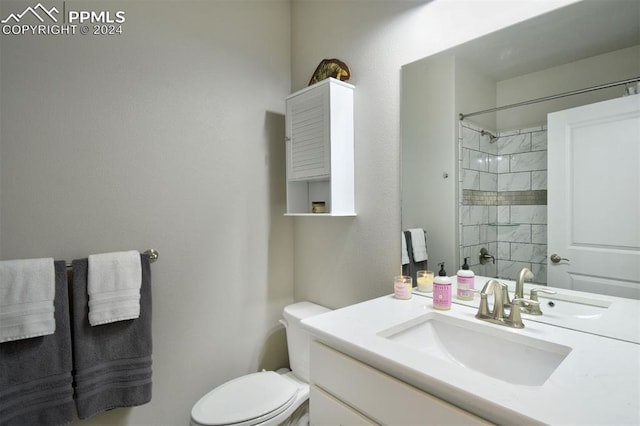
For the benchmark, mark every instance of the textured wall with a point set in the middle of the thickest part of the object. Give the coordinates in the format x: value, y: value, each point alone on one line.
x: 167, y: 136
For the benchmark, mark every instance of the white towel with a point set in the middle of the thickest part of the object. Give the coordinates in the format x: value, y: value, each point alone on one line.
x: 405, y: 252
x: 419, y: 244
x: 27, y: 291
x: 114, y: 287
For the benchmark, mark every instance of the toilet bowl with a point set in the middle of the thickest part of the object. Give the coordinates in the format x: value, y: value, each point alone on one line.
x: 268, y: 397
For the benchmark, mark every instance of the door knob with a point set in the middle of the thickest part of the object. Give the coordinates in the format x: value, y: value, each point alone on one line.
x: 556, y: 259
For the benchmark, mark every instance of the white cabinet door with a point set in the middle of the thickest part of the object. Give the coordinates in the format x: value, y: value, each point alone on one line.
x: 324, y: 409
x: 307, y: 122
x: 594, y: 198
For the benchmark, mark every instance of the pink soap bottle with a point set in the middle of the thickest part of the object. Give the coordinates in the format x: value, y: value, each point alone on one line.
x: 466, y: 282
x: 442, y: 290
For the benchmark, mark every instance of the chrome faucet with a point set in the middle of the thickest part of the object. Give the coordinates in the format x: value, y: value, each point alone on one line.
x: 530, y: 308
x: 525, y: 274
x: 497, y: 316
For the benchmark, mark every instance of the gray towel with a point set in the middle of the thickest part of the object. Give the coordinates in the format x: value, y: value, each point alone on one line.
x: 112, y: 361
x: 35, y: 373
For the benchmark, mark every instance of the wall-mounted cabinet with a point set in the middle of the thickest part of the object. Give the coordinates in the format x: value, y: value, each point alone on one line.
x: 319, y: 149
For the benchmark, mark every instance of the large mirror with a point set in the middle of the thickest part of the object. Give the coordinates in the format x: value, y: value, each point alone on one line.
x: 481, y: 182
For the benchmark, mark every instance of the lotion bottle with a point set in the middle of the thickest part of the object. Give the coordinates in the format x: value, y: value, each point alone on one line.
x: 466, y: 282
x: 442, y: 290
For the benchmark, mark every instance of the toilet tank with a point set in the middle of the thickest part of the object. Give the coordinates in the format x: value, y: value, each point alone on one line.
x: 298, y: 340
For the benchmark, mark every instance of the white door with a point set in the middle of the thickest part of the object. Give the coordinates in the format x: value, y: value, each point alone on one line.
x: 594, y: 198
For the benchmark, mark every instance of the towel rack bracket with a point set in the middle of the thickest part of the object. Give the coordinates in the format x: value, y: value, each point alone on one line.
x: 153, y: 255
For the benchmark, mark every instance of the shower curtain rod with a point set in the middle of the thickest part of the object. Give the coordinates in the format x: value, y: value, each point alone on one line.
x: 551, y: 97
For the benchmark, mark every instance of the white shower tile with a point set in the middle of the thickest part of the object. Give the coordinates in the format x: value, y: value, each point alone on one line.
x: 493, y: 248
x: 509, y: 269
x: 470, y: 179
x: 478, y: 161
x: 514, y: 144
x: 470, y: 138
x: 465, y: 214
x: 488, y: 181
x: 486, y: 270
x: 480, y: 214
x: 470, y: 235
x: 465, y: 157
x: 471, y: 252
x: 521, y: 252
x: 504, y: 214
x: 504, y: 250
x: 529, y: 161
x: 514, y: 234
x: 475, y: 215
x: 539, y: 180
x: 539, y: 141
x: 493, y: 163
x: 529, y: 214
x: 534, y: 253
x: 488, y: 234
x: 493, y: 214
x: 539, y: 234
x: 514, y: 181
x: 502, y: 163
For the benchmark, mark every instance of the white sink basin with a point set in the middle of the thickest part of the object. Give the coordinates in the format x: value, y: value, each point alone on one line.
x: 563, y: 306
x: 489, y: 350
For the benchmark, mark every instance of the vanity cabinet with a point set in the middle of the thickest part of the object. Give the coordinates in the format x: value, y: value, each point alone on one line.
x: 347, y: 391
x: 319, y: 149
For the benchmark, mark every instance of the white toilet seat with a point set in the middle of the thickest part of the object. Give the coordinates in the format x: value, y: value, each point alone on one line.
x: 249, y: 400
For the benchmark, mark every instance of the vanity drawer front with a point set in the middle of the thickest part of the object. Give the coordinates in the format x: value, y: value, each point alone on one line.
x: 379, y: 396
x: 324, y: 409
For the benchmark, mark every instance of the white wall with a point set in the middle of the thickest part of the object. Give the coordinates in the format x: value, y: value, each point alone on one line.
x: 168, y: 136
x: 340, y: 261
x: 423, y: 124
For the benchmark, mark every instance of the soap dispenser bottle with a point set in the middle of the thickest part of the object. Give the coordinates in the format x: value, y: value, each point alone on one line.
x: 466, y: 282
x: 442, y: 290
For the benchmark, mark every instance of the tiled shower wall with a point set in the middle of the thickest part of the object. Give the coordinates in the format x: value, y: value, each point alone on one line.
x: 503, y: 200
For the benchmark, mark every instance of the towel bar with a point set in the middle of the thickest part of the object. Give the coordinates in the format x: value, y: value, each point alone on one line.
x: 151, y: 253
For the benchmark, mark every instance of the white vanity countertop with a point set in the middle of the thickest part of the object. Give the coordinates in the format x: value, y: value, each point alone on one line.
x: 597, y: 383
x: 618, y: 317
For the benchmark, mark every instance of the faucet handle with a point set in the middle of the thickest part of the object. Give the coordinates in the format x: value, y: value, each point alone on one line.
x: 535, y: 291
x: 535, y: 309
x: 483, y: 309
x: 506, y: 302
x: 514, y: 315
x: 519, y: 300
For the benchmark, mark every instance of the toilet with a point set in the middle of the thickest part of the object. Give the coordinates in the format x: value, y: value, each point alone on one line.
x: 268, y: 397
